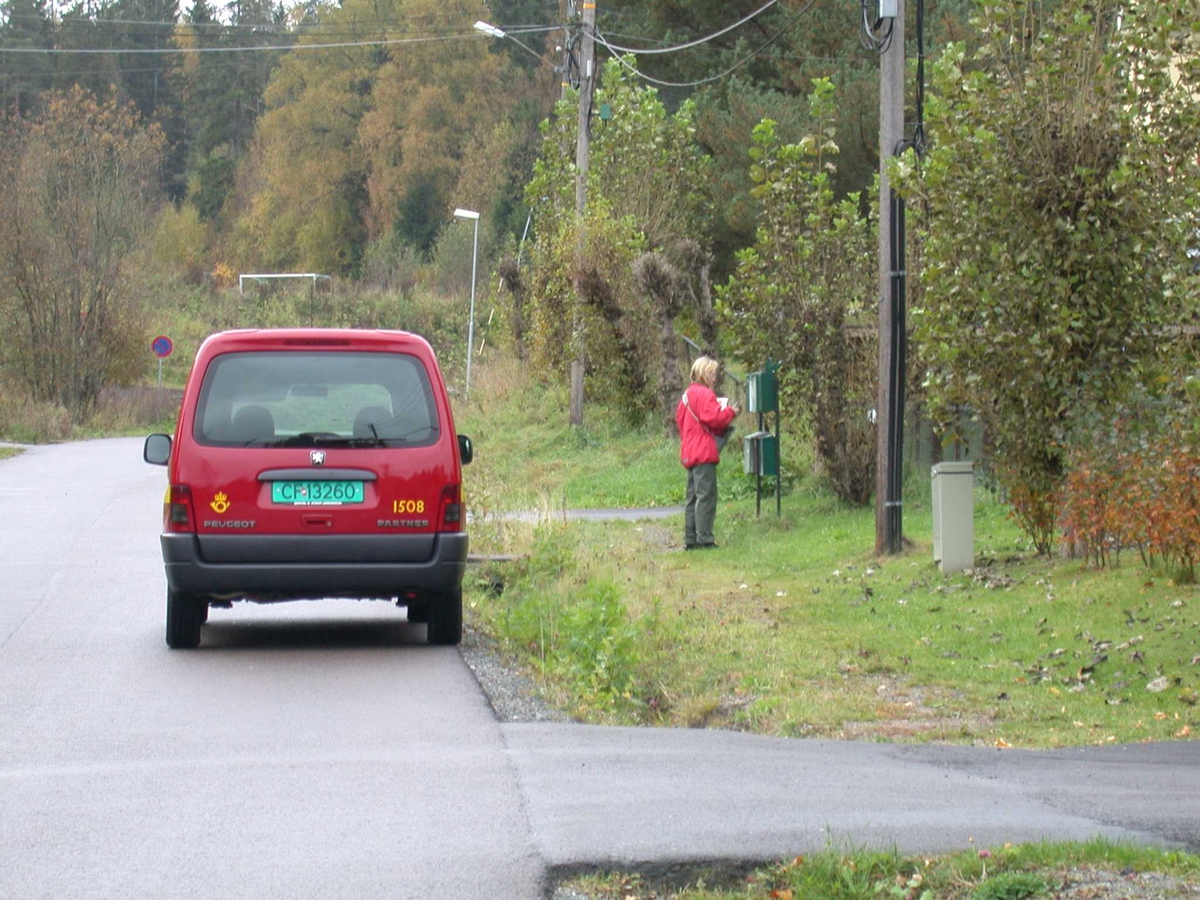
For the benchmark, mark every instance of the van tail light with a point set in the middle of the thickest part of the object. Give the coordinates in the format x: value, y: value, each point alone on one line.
x: 177, y: 510
x: 452, y: 508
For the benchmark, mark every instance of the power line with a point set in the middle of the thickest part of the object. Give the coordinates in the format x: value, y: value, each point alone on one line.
x: 737, y: 65
x: 695, y: 43
x: 99, y: 20
x: 59, y: 51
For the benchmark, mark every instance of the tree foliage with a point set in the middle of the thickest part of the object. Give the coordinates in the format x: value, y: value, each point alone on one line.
x: 1061, y: 192
x: 368, y: 140
x: 804, y: 295
x: 78, y: 185
x: 645, y: 191
x: 787, y: 47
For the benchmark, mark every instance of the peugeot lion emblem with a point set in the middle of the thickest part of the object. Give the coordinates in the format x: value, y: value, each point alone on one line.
x: 317, y: 457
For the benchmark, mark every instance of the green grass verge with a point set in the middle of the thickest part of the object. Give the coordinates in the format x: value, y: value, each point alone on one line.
x: 793, y: 627
x: 10, y: 452
x: 1097, y: 869
x: 528, y: 457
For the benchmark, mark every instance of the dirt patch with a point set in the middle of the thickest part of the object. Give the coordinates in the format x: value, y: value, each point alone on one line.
x: 660, y: 537
x: 905, y: 712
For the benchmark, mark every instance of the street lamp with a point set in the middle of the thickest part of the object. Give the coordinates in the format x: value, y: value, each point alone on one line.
x: 490, y: 30
x: 493, y: 31
x: 471, y: 214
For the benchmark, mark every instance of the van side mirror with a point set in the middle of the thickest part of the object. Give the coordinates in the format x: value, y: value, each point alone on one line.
x: 466, y: 450
x: 157, y: 449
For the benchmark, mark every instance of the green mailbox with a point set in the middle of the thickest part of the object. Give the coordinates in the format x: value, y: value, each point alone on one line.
x: 760, y: 454
x: 768, y: 456
x: 762, y: 391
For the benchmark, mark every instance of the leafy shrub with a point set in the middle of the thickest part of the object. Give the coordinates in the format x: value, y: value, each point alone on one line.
x: 1135, y: 483
x: 1009, y: 886
x: 577, y: 635
x: 181, y: 240
x: 1060, y: 197
x: 29, y: 421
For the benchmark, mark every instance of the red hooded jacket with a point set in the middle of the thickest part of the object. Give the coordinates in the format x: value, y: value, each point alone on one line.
x: 696, y: 442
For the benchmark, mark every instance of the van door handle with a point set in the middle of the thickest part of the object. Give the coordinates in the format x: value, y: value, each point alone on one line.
x: 317, y: 521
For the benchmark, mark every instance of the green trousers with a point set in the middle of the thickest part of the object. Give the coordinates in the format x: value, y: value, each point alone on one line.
x: 700, y: 508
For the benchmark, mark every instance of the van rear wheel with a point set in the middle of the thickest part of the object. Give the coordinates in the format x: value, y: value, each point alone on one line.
x: 185, y: 615
x: 445, y: 619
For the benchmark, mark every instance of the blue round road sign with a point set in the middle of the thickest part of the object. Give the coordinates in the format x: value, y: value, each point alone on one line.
x: 162, y: 346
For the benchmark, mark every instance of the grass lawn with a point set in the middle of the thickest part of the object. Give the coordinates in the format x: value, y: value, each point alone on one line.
x: 793, y: 627
x: 1098, y: 870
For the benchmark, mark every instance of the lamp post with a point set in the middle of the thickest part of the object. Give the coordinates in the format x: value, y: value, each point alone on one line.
x: 493, y: 31
x: 471, y: 214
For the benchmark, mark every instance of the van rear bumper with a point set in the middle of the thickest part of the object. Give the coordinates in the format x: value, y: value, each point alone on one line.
x: 438, y: 570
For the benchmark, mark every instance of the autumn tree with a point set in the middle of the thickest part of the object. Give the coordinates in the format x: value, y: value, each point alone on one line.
x: 646, y: 192
x: 368, y: 140
x: 78, y: 186
x: 804, y: 294
x: 1062, y: 192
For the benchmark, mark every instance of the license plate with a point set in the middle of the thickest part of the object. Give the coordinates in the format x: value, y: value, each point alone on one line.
x: 316, y: 493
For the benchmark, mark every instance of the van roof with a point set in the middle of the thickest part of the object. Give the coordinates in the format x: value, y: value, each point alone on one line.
x: 313, y: 338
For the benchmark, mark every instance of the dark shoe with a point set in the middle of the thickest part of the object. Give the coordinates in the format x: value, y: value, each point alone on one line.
x: 689, y: 546
x: 705, y: 547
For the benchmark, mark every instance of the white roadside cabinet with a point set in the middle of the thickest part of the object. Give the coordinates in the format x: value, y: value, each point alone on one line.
x: 953, y: 516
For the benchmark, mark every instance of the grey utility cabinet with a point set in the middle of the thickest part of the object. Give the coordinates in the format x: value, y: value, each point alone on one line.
x: 953, y: 516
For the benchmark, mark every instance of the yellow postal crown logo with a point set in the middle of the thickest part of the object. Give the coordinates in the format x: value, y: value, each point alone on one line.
x: 220, y: 503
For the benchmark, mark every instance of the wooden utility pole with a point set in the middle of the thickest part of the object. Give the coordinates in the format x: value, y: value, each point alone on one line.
x: 891, y: 133
x: 582, y: 161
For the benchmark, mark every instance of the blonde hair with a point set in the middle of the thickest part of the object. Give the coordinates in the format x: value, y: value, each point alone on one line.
x: 705, y: 370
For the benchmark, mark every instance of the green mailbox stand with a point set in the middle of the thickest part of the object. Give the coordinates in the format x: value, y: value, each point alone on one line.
x: 761, y: 449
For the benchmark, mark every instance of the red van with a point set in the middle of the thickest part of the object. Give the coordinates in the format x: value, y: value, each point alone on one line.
x: 311, y: 463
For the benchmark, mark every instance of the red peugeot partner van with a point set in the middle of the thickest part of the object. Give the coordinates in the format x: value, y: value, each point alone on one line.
x: 311, y: 463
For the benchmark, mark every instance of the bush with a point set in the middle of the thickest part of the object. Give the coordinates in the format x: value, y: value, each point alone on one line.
x: 1130, y: 489
x: 804, y: 294
x: 28, y: 421
x: 575, y: 631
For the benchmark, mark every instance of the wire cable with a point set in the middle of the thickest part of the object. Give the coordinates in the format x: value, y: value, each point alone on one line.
x: 701, y: 81
x: 867, y: 35
x: 696, y: 43
x: 540, y: 5
x: 918, y: 139
x: 388, y: 42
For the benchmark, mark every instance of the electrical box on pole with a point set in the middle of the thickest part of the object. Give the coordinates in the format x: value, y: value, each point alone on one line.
x: 888, y: 9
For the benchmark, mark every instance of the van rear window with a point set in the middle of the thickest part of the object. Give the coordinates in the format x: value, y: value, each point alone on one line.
x: 315, y: 398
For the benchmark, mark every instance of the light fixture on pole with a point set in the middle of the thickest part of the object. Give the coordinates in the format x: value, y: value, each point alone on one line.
x: 471, y: 214
x: 493, y: 31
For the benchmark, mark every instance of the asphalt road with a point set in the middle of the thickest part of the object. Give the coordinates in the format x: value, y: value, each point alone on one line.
x: 322, y: 750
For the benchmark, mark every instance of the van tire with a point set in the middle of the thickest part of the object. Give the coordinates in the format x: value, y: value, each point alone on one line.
x: 445, y: 619
x: 185, y: 615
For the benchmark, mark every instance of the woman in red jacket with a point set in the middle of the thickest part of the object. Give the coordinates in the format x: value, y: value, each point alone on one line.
x: 700, y: 416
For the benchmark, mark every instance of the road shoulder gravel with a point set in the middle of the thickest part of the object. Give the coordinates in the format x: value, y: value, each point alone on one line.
x: 514, y: 697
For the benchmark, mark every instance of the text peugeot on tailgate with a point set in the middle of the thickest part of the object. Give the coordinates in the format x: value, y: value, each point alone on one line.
x: 311, y: 463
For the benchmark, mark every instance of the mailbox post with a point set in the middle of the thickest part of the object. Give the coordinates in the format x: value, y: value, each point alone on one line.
x: 760, y: 453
